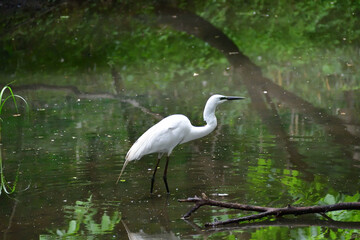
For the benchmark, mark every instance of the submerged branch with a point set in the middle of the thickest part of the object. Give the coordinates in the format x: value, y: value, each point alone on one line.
x: 263, y: 211
x: 85, y: 95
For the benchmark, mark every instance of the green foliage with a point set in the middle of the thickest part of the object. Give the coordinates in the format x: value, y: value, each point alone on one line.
x: 342, y: 215
x: 82, y: 221
x: 307, y: 47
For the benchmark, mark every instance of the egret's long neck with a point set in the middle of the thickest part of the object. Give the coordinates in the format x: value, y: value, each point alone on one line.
x: 209, y: 114
x: 211, y: 123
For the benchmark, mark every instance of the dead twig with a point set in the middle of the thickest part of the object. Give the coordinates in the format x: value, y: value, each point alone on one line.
x: 263, y: 211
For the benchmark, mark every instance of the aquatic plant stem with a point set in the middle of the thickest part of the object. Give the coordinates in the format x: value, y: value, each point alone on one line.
x: 4, y: 186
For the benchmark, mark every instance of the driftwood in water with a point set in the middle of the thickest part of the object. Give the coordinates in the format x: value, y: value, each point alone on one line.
x: 263, y: 211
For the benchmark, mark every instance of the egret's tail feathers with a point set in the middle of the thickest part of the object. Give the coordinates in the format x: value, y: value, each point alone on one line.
x: 122, y: 170
x: 131, y: 155
x: 135, y: 152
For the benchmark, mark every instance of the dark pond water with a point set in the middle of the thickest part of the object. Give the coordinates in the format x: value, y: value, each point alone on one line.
x: 68, y: 155
x: 293, y: 140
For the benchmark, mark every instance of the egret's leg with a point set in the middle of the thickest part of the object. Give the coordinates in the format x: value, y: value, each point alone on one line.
x: 165, y: 174
x: 153, y: 177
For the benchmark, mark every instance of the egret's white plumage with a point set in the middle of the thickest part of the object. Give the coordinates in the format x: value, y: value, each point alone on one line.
x: 173, y: 130
x: 160, y: 138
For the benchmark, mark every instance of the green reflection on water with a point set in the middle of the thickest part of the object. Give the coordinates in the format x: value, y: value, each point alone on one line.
x: 82, y: 221
x: 75, y: 143
x: 66, y: 152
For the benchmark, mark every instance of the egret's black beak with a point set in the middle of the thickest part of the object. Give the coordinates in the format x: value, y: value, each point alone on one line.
x: 231, y: 98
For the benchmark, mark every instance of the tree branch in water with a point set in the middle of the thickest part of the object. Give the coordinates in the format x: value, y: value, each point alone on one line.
x: 263, y: 211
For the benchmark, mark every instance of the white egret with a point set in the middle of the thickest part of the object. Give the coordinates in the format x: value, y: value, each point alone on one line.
x: 173, y: 130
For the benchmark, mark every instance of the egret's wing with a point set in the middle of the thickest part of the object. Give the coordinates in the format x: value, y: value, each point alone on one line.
x: 162, y: 137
